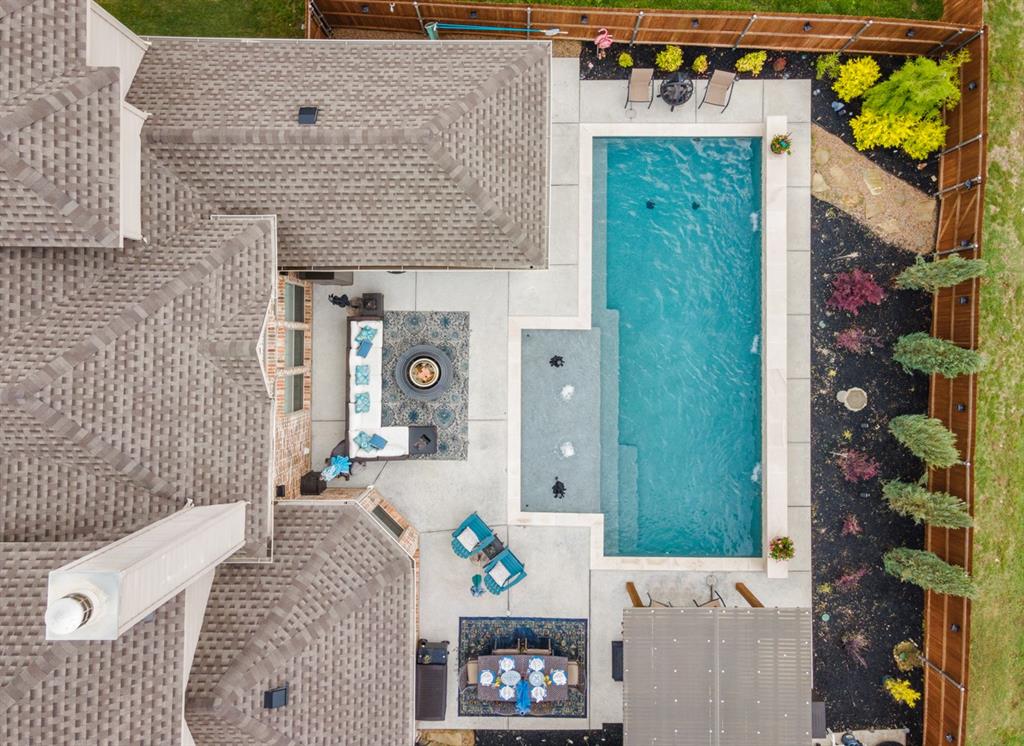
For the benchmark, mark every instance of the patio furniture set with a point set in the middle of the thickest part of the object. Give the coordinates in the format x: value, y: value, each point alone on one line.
x: 677, y: 89
x: 521, y: 675
x: 474, y: 538
x: 366, y: 437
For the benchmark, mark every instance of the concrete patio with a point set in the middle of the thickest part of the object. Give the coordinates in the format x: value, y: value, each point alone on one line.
x: 436, y: 495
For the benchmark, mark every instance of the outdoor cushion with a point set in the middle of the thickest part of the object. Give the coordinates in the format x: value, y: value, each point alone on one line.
x: 362, y: 403
x: 499, y: 573
x: 362, y: 375
x: 378, y: 442
x: 468, y: 539
x: 364, y: 441
x: 366, y: 333
x: 364, y: 348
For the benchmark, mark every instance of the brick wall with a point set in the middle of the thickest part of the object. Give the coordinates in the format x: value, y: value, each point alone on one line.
x: 293, y: 434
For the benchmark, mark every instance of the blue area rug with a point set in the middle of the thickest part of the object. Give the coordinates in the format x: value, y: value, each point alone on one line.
x: 450, y: 413
x: 480, y: 635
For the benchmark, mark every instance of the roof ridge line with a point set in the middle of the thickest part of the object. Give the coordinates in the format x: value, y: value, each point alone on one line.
x: 79, y: 216
x: 459, y: 175
x: 177, y: 134
x: 96, y: 446
x: 50, y: 103
x: 29, y: 676
x: 130, y: 316
x: 286, y: 603
x: 233, y: 682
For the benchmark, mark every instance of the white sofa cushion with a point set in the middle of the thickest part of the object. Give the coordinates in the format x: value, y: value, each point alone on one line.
x: 468, y: 539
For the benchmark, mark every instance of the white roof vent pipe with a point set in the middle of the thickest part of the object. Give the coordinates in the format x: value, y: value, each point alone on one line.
x: 69, y: 613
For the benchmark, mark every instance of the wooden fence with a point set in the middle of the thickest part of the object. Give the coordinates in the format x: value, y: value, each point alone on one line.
x: 805, y: 32
x: 960, y: 192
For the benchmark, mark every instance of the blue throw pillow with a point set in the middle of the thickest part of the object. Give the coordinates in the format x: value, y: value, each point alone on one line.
x: 362, y: 375
x: 364, y: 348
x: 378, y: 442
x: 362, y: 403
x: 366, y: 334
x: 363, y: 441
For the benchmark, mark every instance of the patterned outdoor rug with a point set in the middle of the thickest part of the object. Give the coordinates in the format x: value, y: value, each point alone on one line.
x: 450, y: 413
x: 479, y: 635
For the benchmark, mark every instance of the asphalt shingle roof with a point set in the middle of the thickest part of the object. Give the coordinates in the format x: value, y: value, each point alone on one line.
x: 128, y: 690
x: 59, y: 137
x: 132, y: 384
x: 331, y: 617
x: 424, y: 154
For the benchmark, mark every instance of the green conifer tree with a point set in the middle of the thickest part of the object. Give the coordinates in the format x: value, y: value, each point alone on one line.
x: 934, y: 508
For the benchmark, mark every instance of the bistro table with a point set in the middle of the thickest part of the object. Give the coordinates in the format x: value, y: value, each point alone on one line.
x: 522, y: 665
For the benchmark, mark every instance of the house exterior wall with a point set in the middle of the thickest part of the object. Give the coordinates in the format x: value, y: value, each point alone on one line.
x: 294, y: 430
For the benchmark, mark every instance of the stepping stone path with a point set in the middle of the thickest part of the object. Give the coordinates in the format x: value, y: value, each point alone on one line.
x: 895, y: 211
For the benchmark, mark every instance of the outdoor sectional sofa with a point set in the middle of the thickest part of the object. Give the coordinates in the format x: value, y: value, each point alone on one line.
x: 366, y: 438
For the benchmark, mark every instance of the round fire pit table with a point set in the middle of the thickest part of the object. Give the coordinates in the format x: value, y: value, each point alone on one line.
x: 676, y: 89
x: 423, y: 372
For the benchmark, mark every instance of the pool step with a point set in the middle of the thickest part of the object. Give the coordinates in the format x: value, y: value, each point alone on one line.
x: 629, y: 498
x: 607, y: 324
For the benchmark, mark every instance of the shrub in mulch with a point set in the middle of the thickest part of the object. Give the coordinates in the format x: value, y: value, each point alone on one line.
x: 871, y: 604
x: 827, y: 110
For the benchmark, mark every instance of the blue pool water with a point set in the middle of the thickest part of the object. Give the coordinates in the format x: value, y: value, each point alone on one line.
x: 677, y: 296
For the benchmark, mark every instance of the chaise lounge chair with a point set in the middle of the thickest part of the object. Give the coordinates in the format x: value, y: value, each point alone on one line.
x: 638, y: 603
x: 503, y: 572
x: 641, y: 86
x: 471, y: 536
x: 719, y: 90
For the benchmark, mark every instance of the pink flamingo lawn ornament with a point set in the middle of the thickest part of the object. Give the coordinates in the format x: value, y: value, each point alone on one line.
x: 602, y: 41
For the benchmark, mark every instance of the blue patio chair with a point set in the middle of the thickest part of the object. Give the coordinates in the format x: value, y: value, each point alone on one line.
x: 511, y: 564
x: 482, y: 531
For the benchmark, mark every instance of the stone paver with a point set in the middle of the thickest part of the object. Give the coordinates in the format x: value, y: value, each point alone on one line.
x: 890, y: 207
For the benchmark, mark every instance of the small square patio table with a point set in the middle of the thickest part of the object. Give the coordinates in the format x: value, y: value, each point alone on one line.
x: 551, y: 662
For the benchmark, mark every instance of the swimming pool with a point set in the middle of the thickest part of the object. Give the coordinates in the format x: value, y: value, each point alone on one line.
x: 677, y: 295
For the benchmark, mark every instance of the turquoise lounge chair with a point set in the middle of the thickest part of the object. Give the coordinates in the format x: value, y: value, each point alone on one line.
x: 481, y: 530
x: 510, y: 564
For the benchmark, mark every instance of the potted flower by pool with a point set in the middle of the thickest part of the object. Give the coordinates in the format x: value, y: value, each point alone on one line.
x: 781, y: 549
x: 782, y: 144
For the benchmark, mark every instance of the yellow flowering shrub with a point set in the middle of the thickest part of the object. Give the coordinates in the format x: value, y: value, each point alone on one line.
x: 855, y: 77
x: 873, y: 130
x: 752, y: 62
x: 700, y: 64
x: 901, y: 691
x: 669, y: 59
x: 925, y: 138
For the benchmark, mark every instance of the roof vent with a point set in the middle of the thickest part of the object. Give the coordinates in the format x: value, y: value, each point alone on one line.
x: 68, y: 613
x: 274, y: 698
x: 307, y: 114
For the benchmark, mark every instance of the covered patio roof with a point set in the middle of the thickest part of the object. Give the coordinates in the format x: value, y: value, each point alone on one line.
x: 716, y: 677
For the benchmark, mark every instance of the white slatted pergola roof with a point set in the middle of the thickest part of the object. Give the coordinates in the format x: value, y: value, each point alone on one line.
x: 716, y: 676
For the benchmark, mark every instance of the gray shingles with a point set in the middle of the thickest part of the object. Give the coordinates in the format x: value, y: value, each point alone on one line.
x: 59, y: 125
x: 140, y: 387
x: 338, y: 597
x: 424, y: 154
x: 83, y: 692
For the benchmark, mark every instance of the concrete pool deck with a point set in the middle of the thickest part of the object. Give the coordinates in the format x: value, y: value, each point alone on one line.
x: 436, y: 495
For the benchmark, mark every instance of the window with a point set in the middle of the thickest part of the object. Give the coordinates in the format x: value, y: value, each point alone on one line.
x: 294, y: 342
x: 294, y: 302
x: 293, y: 392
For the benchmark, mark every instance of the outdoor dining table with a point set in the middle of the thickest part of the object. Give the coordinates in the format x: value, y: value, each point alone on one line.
x: 522, y: 662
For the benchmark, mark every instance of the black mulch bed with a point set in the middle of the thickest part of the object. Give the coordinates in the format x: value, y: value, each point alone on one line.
x: 799, y: 65
x: 610, y: 736
x: 880, y: 607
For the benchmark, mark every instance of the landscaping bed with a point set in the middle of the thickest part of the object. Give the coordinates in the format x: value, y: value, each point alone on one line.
x: 878, y: 607
x: 610, y: 736
x: 799, y: 65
